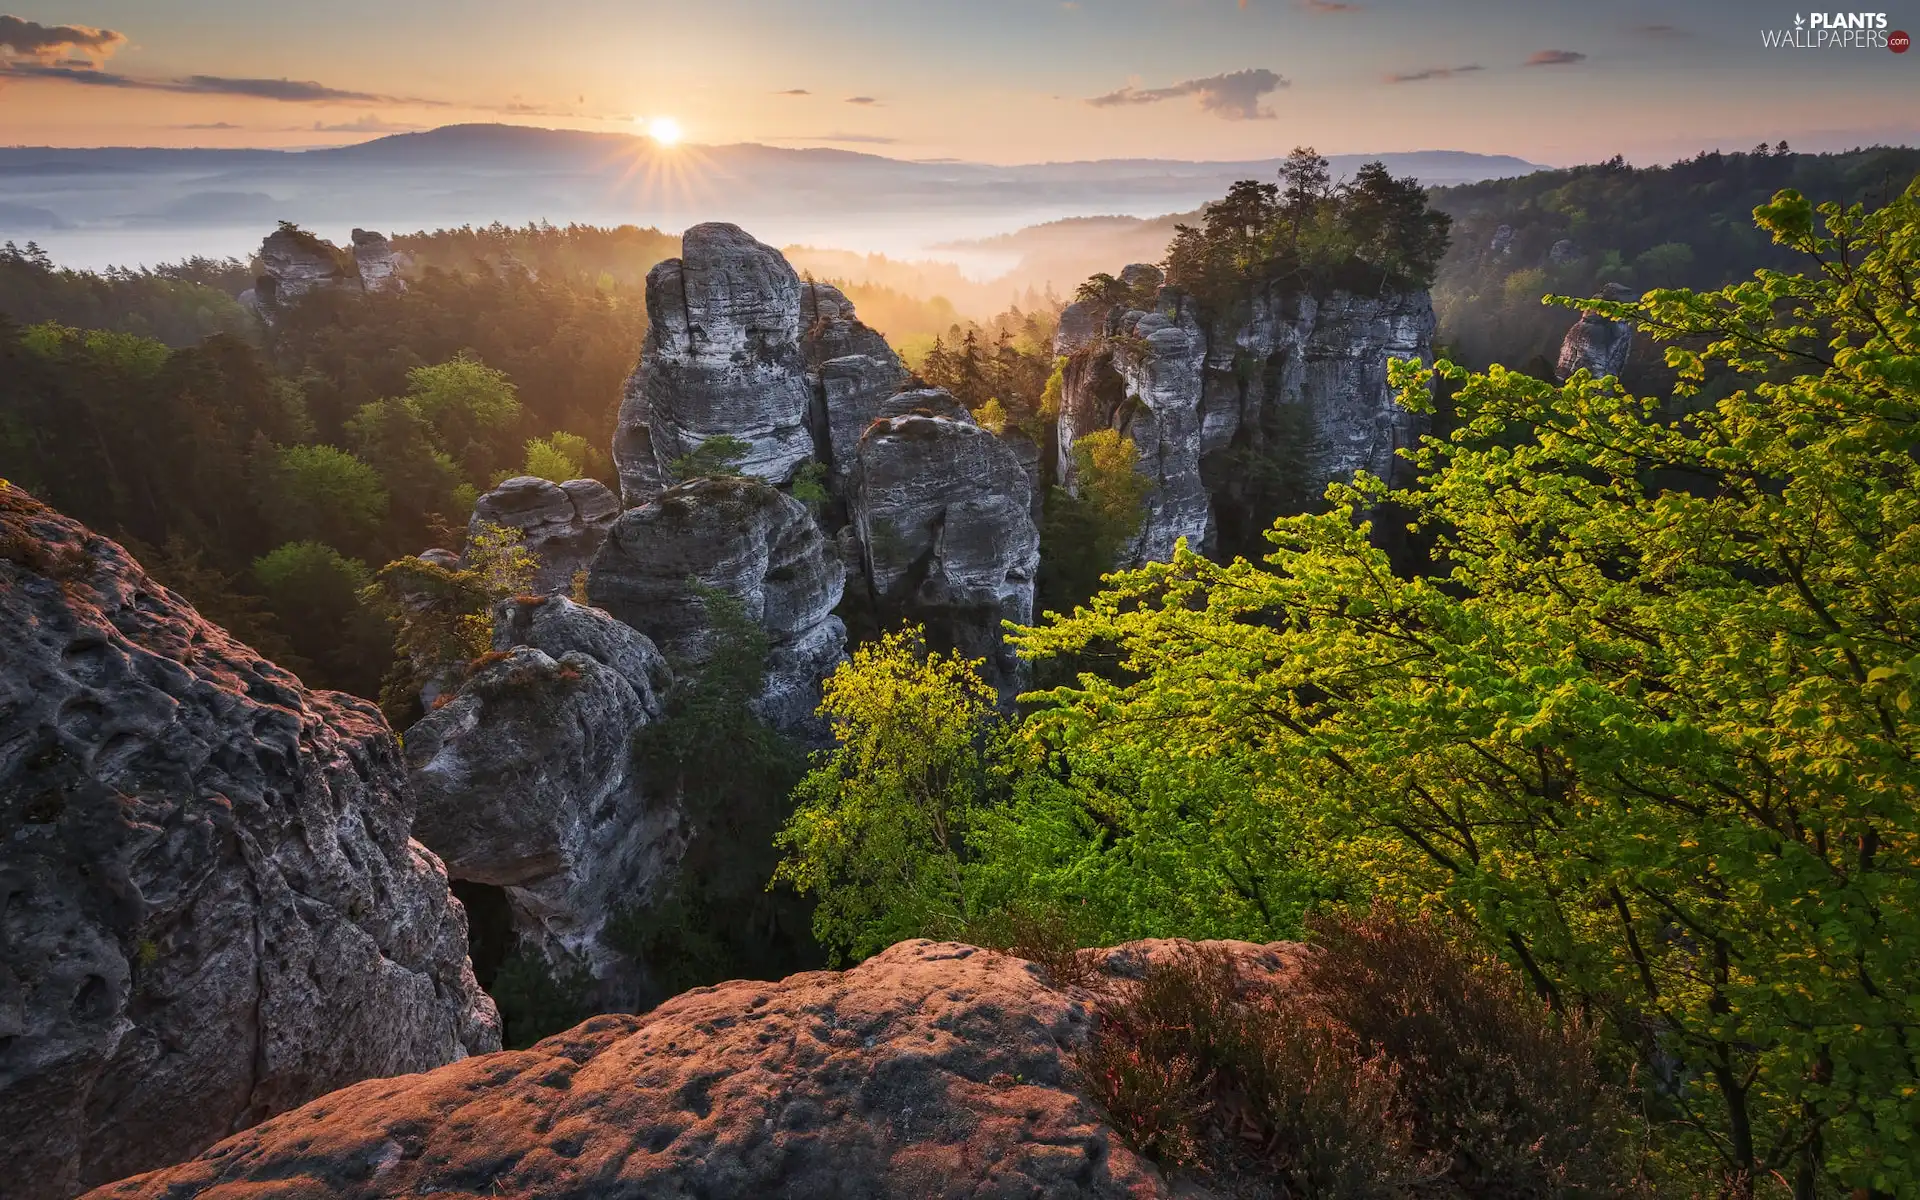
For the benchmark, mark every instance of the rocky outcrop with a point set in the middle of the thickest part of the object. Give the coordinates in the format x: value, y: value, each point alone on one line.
x: 1237, y: 421
x: 210, y: 907
x: 294, y: 263
x: 561, y: 524
x: 378, y: 263
x: 853, y: 372
x: 526, y: 781
x: 943, y: 510
x: 750, y: 541
x: 1079, y: 325
x: 932, y: 1069
x: 1596, y: 343
x: 721, y: 358
x: 1146, y: 382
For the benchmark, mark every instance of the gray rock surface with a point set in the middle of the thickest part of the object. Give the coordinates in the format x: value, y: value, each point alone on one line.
x: 944, y: 514
x: 562, y: 524
x: 210, y: 907
x: 377, y: 261
x: 1595, y: 343
x: 751, y: 541
x: 1146, y: 382
x: 1297, y: 382
x: 295, y: 264
x: 1079, y: 326
x: 721, y: 358
x: 526, y: 781
x: 853, y: 372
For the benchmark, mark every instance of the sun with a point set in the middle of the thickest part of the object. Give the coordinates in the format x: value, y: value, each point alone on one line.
x: 664, y: 130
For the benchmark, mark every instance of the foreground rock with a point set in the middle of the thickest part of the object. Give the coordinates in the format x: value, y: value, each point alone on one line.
x: 212, y: 908
x: 527, y: 782
x: 853, y: 370
x: 721, y: 358
x: 931, y: 1070
x: 944, y: 514
x: 1596, y: 343
x: 561, y: 524
x: 755, y: 544
x: 1241, y: 418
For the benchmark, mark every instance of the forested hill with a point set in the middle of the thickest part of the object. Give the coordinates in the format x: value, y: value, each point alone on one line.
x: 1573, y: 231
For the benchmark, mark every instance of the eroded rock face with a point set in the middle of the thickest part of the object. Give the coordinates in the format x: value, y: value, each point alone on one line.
x: 292, y: 264
x: 754, y: 543
x: 932, y: 1069
x: 1237, y: 423
x: 721, y: 358
x: 563, y: 524
x: 853, y: 370
x: 378, y: 262
x: 944, y: 514
x: 526, y: 780
x: 210, y: 907
x: 1146, y: 382
x: 1595, y: 343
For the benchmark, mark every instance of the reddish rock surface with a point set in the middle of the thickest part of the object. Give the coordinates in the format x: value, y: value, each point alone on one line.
x: 931, y: 1070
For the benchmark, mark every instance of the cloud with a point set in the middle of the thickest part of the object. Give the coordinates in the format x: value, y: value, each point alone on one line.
x: 1554, y: 58
x: 861, y: 100
x: 1326, y: 6
x: 1434, y: 73
x: 47, y: 43
x: 1234, y: 96
x: 1662, y: 30
x: 289, y: 90
x: 794, y: 92
x: 208, y: 125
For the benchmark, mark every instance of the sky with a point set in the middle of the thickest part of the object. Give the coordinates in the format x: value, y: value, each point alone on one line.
x: 1001, y: 81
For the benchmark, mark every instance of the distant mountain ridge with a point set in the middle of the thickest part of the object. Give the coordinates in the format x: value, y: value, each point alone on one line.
x: 132, y: 204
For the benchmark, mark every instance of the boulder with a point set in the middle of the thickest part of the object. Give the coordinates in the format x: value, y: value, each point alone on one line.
x: 944, y: 514
x: 377, y: 261
x: 755, y: 543
x: 721, y: 358
x: 1596, y: 343
x: 931, y: 1070
x: 562, y: 524
x: 526, y: 781
x: 210, y: 907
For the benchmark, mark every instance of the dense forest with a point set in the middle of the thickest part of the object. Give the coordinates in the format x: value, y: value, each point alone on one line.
x: 1636, y: 727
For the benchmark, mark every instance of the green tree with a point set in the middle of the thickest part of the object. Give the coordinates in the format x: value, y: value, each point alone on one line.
x: 1650, y: 726
x: 314, y: 592
x: 1087, y: 530
x: 559, y: 457
x: 717, y: 456
x: 467, y: 403
x: 323, y: 493
x: 879, y: 825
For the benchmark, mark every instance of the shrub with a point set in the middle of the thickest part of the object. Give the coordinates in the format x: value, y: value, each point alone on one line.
x: 1398, y: 1064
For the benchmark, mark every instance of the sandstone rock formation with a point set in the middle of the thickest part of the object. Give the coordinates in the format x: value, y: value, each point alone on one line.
x: 1596, y: 343
x: 721, y: 358
x: 751, y: 541
x: 944, y: 514
x: 210, y: 908
x: 1239, y: 421
x: 931, y: 1069
x: 294, y: 263
x: 562, y: 524
x: 853, y: 372
x: 527, y: 782
x: 1079, y: 326
x: 377, y: 261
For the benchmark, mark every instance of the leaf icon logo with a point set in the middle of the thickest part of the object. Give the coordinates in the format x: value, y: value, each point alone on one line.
x: 1798, y: 20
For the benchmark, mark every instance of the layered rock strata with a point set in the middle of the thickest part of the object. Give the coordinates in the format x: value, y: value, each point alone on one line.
x: 561, y: 524
x: 747, y: 539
